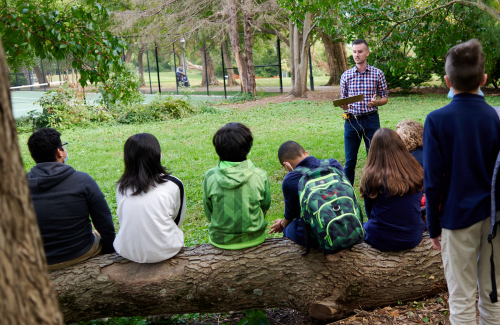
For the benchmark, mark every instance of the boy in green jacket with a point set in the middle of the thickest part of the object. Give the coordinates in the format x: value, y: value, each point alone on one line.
x: 236, y: 194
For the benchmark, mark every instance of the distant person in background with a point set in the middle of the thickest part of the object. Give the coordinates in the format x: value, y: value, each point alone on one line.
x: 64, y: 199
x: 391, y: 185
x: 151, y: 204
x: 181, y: 74
x: 236, y: 194
x: 362, y: 117
x: 412, y: 134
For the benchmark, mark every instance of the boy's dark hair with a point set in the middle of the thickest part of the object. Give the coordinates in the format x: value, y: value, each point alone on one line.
x: 143, y: 169
x: 43, y: 145
x: 465, y: 66
x: 233, y: 142
x: 289, y: 151
x: 360, y: 41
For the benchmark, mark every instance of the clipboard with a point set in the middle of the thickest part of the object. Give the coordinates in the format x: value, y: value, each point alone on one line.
x: 348, y: 100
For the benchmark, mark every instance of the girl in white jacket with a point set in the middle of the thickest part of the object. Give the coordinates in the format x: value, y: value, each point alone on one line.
x: 151, y: 204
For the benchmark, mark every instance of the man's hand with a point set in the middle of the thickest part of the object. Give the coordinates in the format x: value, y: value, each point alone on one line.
x: 276, y: 227
x: 373, y: 102
x: 345, y: 107
x: 436, y: 243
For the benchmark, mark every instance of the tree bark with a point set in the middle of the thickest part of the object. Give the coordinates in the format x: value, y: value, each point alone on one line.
x: 231, y: 81
x: 142, y: 49
x: 247, y: 27
x: 39, y: 75
x: 336, y: 58
x: 128, y: 55
x: 204, y: 278
x: 26, y: 295
x: 210, y: 68
x: 300, y: 57
x: 234, y: 38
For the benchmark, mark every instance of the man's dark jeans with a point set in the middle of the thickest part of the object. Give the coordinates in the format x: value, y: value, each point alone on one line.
x: 354, y: 130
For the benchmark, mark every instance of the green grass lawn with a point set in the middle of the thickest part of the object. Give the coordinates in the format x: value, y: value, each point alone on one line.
x: 188, y: 151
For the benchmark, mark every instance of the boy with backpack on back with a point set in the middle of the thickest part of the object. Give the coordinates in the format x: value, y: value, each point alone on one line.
x: 461, y: 144
x: 321, y: 210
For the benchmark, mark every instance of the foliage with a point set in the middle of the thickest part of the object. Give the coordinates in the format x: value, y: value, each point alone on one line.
x: 254, y: 317
x: 123, y: 87
x: 66, y: 107
x: 19, y: 81
x: 75, y: 33
x: 408, y: 37
x: 242, y: 97
x: 161, y: 108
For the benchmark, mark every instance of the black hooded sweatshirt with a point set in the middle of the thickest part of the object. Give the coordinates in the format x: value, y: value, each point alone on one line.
x: 63, y: 199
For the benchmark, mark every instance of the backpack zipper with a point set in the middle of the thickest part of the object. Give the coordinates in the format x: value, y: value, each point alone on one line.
x: 341, y: 216
x: 313, y: 180
x: 317, y: 213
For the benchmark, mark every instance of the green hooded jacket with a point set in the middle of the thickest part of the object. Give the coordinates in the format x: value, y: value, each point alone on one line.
x: 236, y: 200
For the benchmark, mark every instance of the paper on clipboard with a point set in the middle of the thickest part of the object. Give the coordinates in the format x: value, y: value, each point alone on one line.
x: 348, y: 100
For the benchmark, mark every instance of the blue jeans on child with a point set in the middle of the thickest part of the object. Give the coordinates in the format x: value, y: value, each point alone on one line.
x: 355, y: 130
x: 295, y: 231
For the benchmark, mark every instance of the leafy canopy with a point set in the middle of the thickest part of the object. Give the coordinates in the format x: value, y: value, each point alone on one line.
x: 76, y: 33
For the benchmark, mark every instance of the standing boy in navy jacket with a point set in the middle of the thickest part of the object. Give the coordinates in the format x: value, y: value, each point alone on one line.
x: 461, y: 143
x: 291, y: 155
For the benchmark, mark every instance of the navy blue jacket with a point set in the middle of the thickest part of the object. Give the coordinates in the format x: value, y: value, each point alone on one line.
x: 418, y: 154
x: 290, y: 189
x: 394, y: 223
x: 461, y: 143
x: 63, y: 199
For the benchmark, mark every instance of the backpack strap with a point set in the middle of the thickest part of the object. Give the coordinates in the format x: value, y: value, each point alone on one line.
x: 493, y: 294
x: 182, y: 210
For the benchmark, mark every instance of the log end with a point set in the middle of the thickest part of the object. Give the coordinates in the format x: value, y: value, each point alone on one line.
x: 325, y: 309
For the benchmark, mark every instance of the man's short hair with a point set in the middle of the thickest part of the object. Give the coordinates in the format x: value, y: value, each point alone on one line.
x: 289, y: 151
x: 465, y: 66
x: 361, y: 41
x: 233, y: 142
x: 43, y: 145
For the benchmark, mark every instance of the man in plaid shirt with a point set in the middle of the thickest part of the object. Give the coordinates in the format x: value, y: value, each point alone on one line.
x: 363, y: 119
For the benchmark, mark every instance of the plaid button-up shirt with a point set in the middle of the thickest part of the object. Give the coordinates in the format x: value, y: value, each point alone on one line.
x: 370, y: 82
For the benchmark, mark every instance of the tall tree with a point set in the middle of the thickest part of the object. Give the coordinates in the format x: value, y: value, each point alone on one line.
x: 208, y: 70
x: 299, y: 48
x: 26, y: 294
x: 231, y: 80
x: 336, y: 58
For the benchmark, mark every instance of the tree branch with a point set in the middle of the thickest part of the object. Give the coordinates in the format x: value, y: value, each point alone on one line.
x: 277, y: 33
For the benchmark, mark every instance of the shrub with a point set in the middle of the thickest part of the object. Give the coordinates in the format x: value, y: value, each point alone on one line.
x: 123, y: 88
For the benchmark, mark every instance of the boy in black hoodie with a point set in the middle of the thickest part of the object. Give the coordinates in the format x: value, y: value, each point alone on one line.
x: 63, y: 199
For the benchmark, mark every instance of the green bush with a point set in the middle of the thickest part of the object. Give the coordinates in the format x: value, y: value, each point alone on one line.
x: 123, y: 88
x: 65, y: 107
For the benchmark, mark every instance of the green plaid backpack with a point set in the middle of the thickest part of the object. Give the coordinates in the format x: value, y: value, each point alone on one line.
x: 329, y: 208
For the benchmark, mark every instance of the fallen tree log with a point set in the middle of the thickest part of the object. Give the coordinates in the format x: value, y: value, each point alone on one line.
x: 204, y: 278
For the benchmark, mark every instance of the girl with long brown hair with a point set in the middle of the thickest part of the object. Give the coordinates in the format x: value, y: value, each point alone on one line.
x: 391, y: 186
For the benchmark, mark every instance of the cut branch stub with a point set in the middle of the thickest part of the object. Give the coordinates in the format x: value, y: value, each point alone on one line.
x: 274, y: 274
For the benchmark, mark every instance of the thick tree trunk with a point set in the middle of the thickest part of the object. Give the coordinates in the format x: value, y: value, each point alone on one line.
x: 142, y: 49
x: 234, y: 38
x: 231, y: 81
x: 204, y: 278
x: 128, y: 56
x: 291, y: 29
x: 247, y: 27
x: 39, y: 75
x: 210, y: 68
x: 300, y: 57
x: 26, y: 295
x: 336, y: 58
